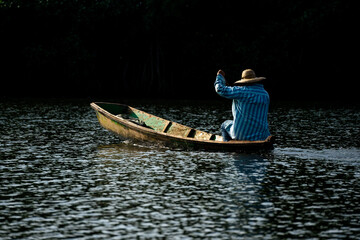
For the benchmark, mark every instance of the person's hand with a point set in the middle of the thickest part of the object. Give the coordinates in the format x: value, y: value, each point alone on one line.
x: 221, y: 72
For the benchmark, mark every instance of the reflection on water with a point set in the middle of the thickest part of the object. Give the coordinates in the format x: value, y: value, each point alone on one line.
x: 63, y: 177
x: 342, y: 154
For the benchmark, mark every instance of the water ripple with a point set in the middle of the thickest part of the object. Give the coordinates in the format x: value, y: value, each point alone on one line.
x: 64, y: 177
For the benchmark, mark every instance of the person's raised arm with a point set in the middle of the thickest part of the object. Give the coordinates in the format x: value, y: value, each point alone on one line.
x: 222, y: 89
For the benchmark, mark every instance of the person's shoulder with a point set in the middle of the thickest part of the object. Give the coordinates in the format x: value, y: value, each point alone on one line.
x: 256, y: 87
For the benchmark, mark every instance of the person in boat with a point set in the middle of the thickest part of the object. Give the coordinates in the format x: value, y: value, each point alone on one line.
x: 249, y: 107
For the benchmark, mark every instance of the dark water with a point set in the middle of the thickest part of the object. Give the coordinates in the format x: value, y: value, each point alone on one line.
x: 63, y: 177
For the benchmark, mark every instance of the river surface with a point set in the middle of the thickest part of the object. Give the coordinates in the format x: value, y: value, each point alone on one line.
x: 64, y: 177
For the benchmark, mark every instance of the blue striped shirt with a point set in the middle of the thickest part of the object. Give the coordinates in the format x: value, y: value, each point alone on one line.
x: 249, y: 108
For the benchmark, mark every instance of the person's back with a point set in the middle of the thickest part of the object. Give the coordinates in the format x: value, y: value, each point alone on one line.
x: 250, y: 107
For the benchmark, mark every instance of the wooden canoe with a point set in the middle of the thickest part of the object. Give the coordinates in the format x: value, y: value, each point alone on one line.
x: 131, y: 123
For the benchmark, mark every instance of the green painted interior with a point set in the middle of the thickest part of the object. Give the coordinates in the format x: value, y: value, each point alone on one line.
x: 158, y: 124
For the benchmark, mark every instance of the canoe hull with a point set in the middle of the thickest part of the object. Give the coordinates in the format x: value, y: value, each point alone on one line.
x: 129, y: 130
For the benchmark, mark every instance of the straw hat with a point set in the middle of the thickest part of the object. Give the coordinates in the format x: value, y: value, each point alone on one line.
x: 248, y: 76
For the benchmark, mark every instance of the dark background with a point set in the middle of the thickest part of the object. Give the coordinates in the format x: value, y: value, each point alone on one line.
x: 173, y: 48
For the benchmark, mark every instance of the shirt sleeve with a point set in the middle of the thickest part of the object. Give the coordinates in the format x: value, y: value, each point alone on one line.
x: 226, y: 91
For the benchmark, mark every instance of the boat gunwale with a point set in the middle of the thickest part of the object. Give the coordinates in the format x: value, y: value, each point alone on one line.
x: 136, y: 127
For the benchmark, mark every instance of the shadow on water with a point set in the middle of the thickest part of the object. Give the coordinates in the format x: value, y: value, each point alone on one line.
x: 191, y: 194
x: 287, y: 193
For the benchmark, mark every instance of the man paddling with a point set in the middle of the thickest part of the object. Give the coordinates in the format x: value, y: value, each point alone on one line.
x: 249, y: 108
